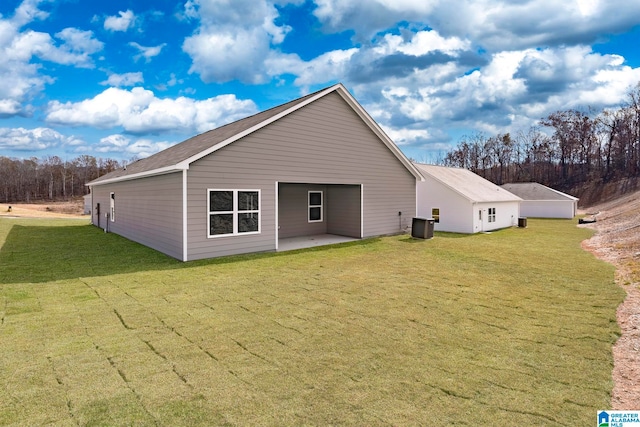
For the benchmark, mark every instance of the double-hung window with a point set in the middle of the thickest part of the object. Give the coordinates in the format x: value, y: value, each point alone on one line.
x: 233, y: 212
x: 492, y: 215
x: 315, y: 206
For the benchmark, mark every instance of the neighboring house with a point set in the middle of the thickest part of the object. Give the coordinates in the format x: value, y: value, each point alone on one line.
x: 318, y: 164
x: 539, y: 201
x: 463, y: 202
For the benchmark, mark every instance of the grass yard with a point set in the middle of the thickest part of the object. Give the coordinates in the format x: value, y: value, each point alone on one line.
x: 509, y: 328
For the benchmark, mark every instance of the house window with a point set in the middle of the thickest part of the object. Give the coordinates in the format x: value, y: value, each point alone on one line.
x: 492, y: 215
x: 233, y: 212
x: 315, y: 206
x: 112, y: 206
x: 435, y: 214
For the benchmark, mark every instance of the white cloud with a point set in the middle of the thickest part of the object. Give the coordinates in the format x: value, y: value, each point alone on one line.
x: 233, y: 39
x: 421, y: 43
x: 139, y: 111
x: 146, y: 52
x: 21, y: 78
x: 21, y: 139
x: 122, y: 22
x: 127, y: 147
x: 126, y: 79
x: 511, y: 92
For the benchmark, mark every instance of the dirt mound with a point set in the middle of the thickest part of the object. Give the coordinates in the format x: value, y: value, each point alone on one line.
x: 617, y: 240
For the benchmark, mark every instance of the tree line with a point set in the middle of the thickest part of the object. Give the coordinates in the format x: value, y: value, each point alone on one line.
x: 565, y: 149
x: 49, y: 178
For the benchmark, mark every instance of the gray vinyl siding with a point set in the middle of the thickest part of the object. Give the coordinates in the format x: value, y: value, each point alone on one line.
x: 324, y: 142
x: 293, y: 211
x: 147, y: 211
x: 343, y: 204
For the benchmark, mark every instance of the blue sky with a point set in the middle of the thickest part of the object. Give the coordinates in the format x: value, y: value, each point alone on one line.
x: 127, y: 78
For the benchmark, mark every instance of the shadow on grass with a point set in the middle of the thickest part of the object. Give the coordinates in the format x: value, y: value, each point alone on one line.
x: 37, y: 254
x: 436, y: 235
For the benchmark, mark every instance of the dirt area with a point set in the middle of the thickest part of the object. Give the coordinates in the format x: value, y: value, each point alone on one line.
x: 63, y: 209
x: 617, y: 241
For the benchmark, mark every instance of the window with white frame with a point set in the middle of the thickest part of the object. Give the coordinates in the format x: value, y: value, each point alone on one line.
x: 233, y: 212
x: 492, y: 215
x: 315, y: 206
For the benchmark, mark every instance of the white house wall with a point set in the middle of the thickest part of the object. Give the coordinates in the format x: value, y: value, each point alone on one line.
x: 460, y: 215
x: 548, y: 208
x: 507, y: 214
x: 455, y: 210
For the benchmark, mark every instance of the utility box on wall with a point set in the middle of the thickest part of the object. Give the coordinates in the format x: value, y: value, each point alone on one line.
x: 422, y: 228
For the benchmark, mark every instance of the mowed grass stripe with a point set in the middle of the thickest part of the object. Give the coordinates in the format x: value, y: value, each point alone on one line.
x: 511, y: 327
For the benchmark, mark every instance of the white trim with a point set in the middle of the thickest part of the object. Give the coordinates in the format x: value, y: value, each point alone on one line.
x: 153, y: 172
x: 234, y: 212
x: 184, y: 216
x: 309, y: 206
x: 361, y: 211
x: 277, y: 204
x: 375, y: 127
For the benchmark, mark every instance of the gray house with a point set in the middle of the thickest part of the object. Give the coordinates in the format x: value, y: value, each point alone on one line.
x: 316, y: 165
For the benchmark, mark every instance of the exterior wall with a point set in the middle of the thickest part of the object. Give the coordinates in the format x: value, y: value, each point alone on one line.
x: 456, y: 212
x: 343, y: 210
x: 548, y: 208
x: 507, y: 214
x: 325, y: 142
x: 147, y: 211
x: 293, y: 211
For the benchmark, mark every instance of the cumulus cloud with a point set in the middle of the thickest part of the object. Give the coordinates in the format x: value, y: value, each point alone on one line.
x: 139, y: 111
x: 122, y: 22
x: 126, y: 79
x: 21, y: 139
x: 21, y: 77
x: 233, y: 40
x: 146, y: 52
x: 511, y: 92
x: 127, y: 147
x: 493, y: 24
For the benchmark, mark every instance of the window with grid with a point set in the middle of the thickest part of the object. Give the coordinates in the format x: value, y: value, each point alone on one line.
x: 492, y: 215
x: 233, y: 212
x: 315, y: 206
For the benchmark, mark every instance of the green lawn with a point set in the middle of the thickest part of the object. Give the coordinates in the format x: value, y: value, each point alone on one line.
x: 509, y: 328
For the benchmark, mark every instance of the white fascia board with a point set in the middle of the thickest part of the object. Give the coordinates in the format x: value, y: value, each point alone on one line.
x: 185, y: 163
x: 375, y: 127
x: 154, y: 172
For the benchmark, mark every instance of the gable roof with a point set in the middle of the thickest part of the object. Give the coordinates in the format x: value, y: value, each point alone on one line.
x: 535, y: 191
x: 468, y: 184
x: 180, y: 156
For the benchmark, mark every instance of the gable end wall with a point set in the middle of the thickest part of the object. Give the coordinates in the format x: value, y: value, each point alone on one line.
x: 324, y: 142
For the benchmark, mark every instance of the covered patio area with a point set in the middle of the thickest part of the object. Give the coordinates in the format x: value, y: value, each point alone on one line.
x: 303, y: 242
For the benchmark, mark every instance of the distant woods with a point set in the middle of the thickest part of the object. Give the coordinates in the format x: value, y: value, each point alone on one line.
x: 576, y: 148
x: 50, y: 178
